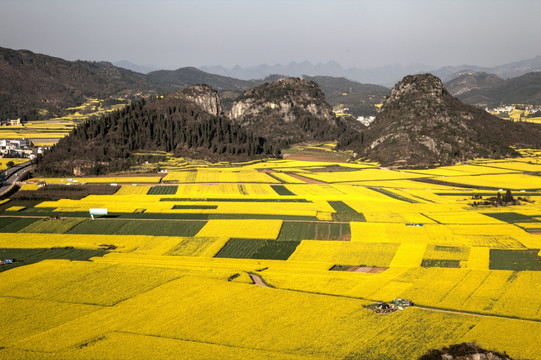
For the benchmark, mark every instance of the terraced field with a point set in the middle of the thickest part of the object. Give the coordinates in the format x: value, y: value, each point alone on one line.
x: 170, y: 263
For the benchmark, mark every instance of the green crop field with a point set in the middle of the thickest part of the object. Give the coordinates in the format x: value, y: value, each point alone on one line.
x: 516, y: 260
x: 239, y: 248
x: 133, y: 227
x: 30, y: 256
x: 296, y: 231
x: 163, y: 190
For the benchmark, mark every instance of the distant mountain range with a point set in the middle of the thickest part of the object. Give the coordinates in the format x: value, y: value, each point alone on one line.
x: 489, y: 90
x: 386, y: 75
x: 143, y: 69
x: 34, y: 86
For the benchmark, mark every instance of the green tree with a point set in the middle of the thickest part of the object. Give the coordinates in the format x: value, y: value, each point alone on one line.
x: 508, y: 197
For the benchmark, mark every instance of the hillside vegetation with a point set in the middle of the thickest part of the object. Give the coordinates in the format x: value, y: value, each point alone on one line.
x: 32, y: 83
x: 525, y: 89
x: 289, y: 111
x: 421, y: 124
x: 173, y: 124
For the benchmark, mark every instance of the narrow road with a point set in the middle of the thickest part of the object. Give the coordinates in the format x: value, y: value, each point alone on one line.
x: 12, y: 175
x: 258, y: 280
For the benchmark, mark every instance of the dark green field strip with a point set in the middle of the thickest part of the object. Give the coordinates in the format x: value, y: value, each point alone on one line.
x: 512, y: 217
x: 163, y: 190
x: 422, y: 198
x: 341, y: 267
x: 133, y: 227
x: 345, y: 212
x: 26, y: 203
x: 163, y: 216
x: 30, y: 256
x: 297, y: 231
x: 14, y: 224
x: 332, y: 168
x: 195, y: 207
x: 282, y: 190
x: 489, y: 194
x: 234, y: 200
x: 393, y: 195
x: 441, y: 263
x: 466, y: 186
x: 263, y: 216
x: 453, y: 249
x: 277, y: 178
x: 516, y: 260
x: 276, y: 250
x: 239, y: 248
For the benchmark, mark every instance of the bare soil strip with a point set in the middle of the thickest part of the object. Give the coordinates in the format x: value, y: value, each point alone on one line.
x: 305, y: 179
x: 258, y: 280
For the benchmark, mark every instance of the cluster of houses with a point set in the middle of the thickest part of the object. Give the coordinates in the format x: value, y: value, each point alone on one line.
x: 19, y: 148
x: 390, y: 307
x: 16, y: 122
x: 506, y: 109
x: 366, y: 120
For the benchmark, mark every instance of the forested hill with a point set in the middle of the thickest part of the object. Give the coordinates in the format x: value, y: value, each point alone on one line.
x: 171, y: 124
x: 31, y: 83
x: 421, y: 124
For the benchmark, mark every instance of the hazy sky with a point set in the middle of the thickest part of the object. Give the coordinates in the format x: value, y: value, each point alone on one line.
x: 355, y: 33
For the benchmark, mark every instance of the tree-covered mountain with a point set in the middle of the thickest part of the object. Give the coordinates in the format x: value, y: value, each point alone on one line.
x: 525, y: 89
x: 176, y: 124
x: 31, y: 83
x: 421, y: 124
x: 189, y: 76
x: 470, y: 80
x: 359, y: 98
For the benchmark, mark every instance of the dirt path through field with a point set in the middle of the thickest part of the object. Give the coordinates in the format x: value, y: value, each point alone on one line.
x: 305, y: 179
x: 258, y: 280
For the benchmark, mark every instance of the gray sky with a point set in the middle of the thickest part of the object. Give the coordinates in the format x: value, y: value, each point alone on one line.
x: 355, y: 33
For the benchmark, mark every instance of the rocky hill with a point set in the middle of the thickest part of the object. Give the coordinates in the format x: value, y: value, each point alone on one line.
x: 288, y: 110
x: 175, y: 123
x: 32, y: 82
x: 525, y: 89
x: 203, y: 96
x: 421, y: 124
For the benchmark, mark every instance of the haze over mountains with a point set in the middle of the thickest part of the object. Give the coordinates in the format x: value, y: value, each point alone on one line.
x: 386, y: 75
x: 32, y: 82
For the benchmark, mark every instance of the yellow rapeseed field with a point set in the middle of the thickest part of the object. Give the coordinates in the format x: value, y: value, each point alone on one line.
x: 254, y: 229
x: 414, y: 235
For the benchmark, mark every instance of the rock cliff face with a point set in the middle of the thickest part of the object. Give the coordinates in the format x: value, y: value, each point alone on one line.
x: 203, y: 96
x: 421, y: 124
x: 288, y: 110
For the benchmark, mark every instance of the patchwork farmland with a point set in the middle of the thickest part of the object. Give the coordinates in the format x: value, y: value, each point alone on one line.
x: 169, y: 269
